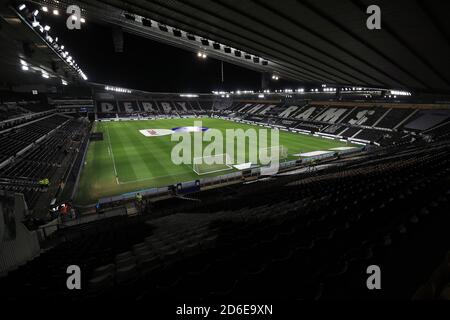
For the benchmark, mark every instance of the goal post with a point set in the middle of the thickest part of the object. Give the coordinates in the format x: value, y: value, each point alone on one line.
x: 272, y: 151
x: 212, y: 164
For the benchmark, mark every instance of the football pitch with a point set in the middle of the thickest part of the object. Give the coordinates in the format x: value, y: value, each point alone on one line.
x: 126, y: 160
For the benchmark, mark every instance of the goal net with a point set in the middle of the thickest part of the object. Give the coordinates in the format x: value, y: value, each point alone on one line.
x: 211, y: 164
x: 271, y: 152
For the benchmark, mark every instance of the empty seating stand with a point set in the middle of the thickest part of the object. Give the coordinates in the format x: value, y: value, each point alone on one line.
x: 43, y: 158
x: 310, y: 237
x: 17, y: 139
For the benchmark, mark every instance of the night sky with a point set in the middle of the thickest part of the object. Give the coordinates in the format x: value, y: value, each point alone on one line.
x: 148, y: 65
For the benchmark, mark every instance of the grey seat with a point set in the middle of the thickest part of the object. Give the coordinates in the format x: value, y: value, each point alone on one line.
x: 126, y: 274
x: 101, y: 283
x: 102, y: 270
x: 124, y: 255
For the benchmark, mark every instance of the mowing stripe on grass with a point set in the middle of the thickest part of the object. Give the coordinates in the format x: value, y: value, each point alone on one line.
x: 127, y: 161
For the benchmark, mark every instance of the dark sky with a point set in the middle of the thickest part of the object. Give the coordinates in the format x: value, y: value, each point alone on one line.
x: 147, y: 65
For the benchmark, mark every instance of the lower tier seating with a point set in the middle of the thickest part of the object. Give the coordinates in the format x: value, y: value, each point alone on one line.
x: 301, y: 237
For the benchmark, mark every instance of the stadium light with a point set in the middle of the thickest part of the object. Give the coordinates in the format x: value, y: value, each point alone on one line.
x: 45, y: 75
x: 82, y: 20
x: 188, y: 95
x: 47, y: 28
x: 25, y: 68
x: 56, y: 12
x: 399, y: 93
x: 64, y: 82
x: 35, y: 13
x: 22, y: 6
x: 45, y: 9
x: 117, y: 89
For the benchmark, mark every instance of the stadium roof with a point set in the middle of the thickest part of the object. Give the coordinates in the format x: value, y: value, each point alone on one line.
x: 313, y: 41
x: 19, y: 47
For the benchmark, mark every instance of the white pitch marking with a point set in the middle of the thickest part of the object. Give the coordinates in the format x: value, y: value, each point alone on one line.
x: 112, y: 156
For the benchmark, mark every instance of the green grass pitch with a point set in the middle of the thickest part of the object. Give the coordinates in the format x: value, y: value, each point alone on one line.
x: 141, y: 162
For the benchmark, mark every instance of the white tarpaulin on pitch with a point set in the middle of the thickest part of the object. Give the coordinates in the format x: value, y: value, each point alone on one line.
x: 343, y: 148
x: 243, y: 166
x: 312, y: 153
x: 155, y: 132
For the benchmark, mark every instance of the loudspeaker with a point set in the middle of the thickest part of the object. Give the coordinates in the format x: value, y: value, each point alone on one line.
x: 130, y: 16
x: 146, y: 22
